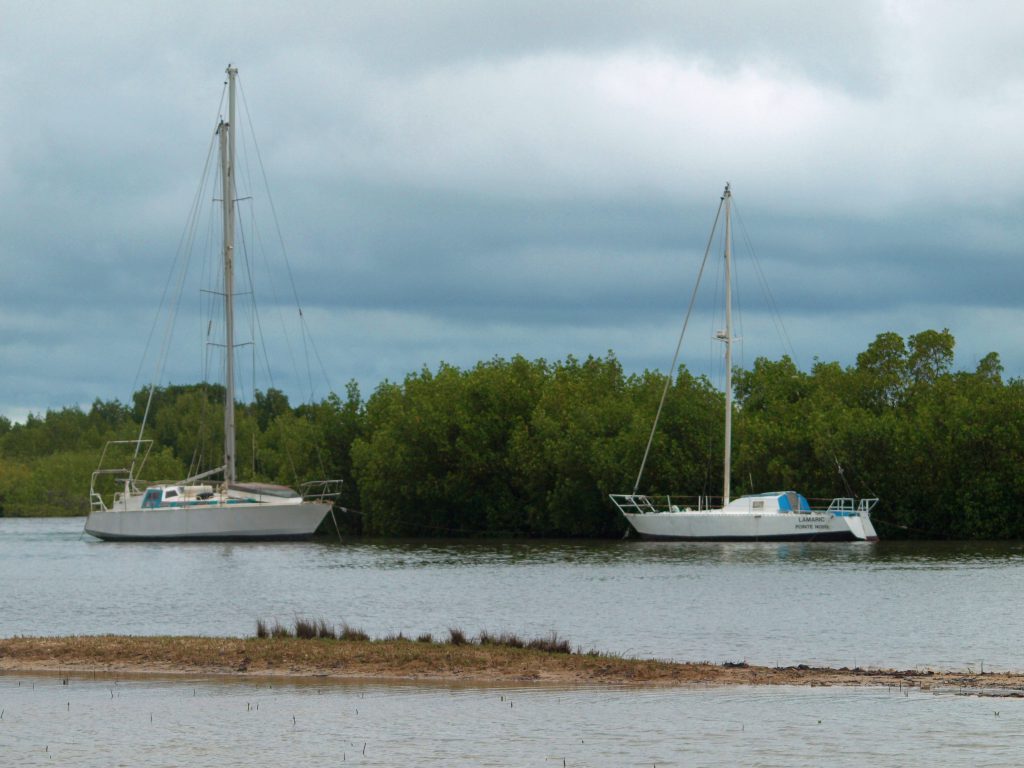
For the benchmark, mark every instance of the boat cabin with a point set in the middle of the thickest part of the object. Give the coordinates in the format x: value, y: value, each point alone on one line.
x: 774, y: 501
x: 176, y: 495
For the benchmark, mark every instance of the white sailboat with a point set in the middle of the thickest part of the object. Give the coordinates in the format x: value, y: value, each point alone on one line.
x: 196, y: 508
x: 773, y: 516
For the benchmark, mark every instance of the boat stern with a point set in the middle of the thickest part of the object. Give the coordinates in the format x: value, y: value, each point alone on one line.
x: 858, y: 519
x: 861, y: 527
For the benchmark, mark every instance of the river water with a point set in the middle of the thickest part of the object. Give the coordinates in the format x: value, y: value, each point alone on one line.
x: 887, y: 604
x: 892, y: 604
x: 104, y: 722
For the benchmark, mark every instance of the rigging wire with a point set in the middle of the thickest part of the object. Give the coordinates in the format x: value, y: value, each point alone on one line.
x: 183, y: 257
x: 307, y: 337
x: 210, y: 321
x: 276, y: 303
x: 256, y: 323
x: 171, y: 298
x: 184, y: 242
x: 205, y: 329
x: 773, y: 307
x: 679, y: 344
x: 716, y: 361
x: 780, y: 329
x: 737, y: 296
x: 261, y: 248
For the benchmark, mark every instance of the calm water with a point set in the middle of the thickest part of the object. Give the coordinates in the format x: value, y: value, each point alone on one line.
x: 904, y: 605
x: 889, y: 604
x: 107, y: 722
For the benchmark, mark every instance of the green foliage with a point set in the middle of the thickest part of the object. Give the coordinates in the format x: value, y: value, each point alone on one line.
x: 436, y: 457
x: 57, y: 484
x: 524, y: 448
x: 47, y: 462
x: 941, y: 449
x: 532, y: 448
x: 565, y: 452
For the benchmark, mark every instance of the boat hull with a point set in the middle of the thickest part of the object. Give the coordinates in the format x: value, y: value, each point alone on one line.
x: 228, y: 522
x: 719, y: 526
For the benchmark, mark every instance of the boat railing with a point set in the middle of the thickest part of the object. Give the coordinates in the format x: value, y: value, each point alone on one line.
x: 124, y: 477
x: 841, y: 504
x: 139, y: 454
x: 639, y: 504
x: 845, y: 505
x: 321, y: 490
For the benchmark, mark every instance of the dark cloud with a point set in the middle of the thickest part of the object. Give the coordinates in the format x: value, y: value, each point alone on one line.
x: 457, y: 180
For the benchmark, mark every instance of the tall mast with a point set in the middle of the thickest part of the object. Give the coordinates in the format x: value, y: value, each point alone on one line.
x: 727, y: 197
x: 227, y: 159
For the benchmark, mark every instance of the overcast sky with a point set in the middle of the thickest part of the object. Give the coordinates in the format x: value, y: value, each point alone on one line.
x: 458, y: 180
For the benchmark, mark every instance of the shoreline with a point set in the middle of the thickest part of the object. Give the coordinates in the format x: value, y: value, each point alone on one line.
x: 409, y: 661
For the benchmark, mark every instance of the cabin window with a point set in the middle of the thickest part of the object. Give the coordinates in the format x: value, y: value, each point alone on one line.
x: 171, y: 494
x: 758, y: 505
x: 151, y: 499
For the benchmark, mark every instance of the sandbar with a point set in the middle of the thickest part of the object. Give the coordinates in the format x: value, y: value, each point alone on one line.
x: 442, y: 663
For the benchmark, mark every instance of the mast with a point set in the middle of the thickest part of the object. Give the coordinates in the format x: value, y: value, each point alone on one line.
x: 227, y: 159
x: 727, y: 197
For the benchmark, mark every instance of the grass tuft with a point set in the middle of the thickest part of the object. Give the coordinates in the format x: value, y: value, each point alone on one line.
x: 550, y: 644
x: 305, y: 629
x: 309, y: 629
x: 351, y: 633
x: 325, y: 631
x: 456, y: 636
x: 507, y: 639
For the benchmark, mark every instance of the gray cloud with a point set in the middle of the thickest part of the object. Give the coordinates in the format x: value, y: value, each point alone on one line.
x: 457, y: 180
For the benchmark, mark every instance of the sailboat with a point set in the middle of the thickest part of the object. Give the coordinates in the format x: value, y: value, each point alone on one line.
x: 773, y: 516
x: 197, y: 508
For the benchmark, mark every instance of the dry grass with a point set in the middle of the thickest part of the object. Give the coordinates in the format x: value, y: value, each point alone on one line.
x: 550, y: 644
x: 402, y: 659
x: 324, y: 630
x: 304, y: 628
x: 352, y: 634
x: 397, y: 658
x: 501, y: 638
x: 457, y: 637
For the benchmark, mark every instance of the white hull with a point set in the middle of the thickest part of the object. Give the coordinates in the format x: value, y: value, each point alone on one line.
x: 774, y: 516
x: 221, y: 522
x: 720, y: 525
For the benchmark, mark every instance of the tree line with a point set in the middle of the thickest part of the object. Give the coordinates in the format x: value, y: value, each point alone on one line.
x: 532, y: 448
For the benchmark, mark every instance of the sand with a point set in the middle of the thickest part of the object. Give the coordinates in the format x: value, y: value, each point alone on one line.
x: 391, y: 660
